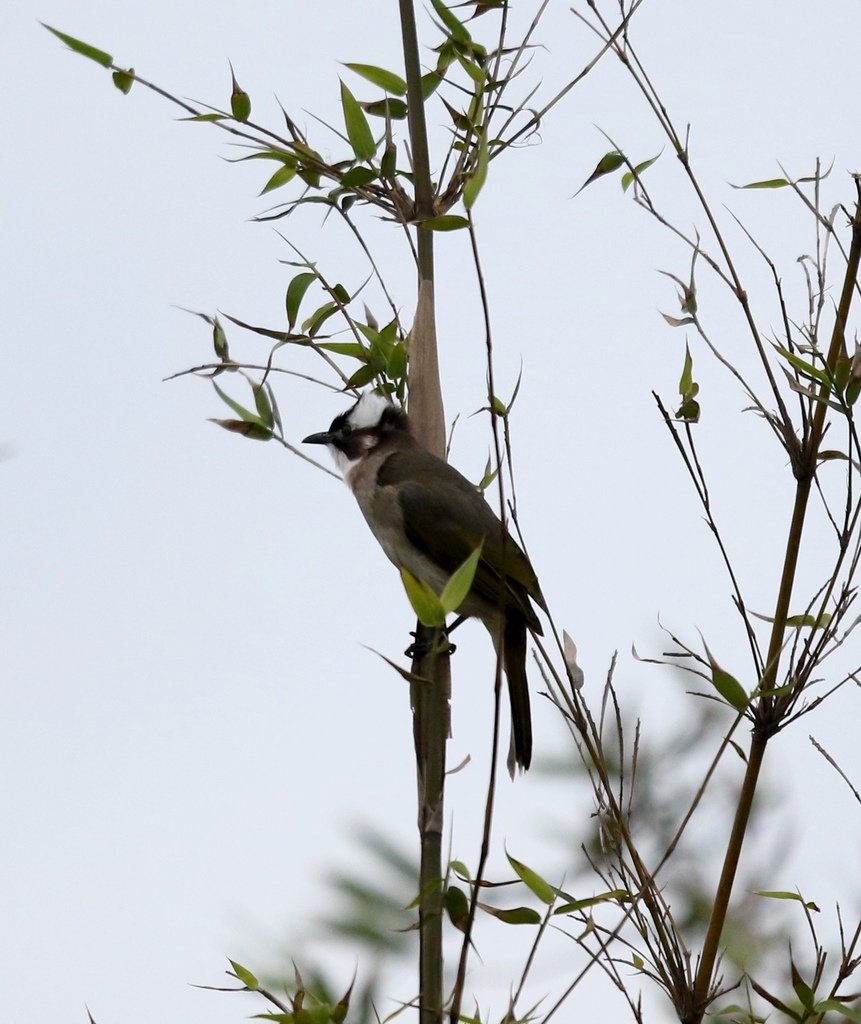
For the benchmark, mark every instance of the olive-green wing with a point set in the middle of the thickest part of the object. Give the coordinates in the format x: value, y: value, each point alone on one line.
x: 448, y: 519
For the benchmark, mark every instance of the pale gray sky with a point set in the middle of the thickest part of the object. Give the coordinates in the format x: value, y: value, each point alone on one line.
x: 190, y: 724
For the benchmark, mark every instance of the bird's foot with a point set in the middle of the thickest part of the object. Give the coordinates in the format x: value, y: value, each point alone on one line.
x: 434, y: 642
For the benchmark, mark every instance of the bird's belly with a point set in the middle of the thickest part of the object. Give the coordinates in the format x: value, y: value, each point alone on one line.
x: 405, y: 555
x: 384, y: 516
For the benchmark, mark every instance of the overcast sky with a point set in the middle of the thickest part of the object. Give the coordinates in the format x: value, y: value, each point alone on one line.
x: 191, y: 726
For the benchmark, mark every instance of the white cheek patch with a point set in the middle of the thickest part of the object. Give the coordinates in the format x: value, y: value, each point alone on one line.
x: 347, y: 465
x: 344, y: 464
x: 368, y: 411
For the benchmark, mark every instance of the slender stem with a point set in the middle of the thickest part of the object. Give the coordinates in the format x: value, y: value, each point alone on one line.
x: 416, y: 111
x: 430, y: 699
x: 711, y: 944
x: 430, y: 705
x: 770, y: 710
x: 487, y: 830
x: 837, y: 348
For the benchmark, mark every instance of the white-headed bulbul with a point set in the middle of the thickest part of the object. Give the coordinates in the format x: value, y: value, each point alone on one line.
x: 429, y: 519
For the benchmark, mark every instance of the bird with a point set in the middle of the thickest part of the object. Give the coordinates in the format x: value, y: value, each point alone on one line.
x: 429, y: 519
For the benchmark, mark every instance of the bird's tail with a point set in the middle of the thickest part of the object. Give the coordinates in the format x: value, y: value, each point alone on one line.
x: 514, y: 662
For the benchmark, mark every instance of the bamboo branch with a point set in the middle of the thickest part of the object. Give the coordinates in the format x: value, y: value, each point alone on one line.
x: 770, y: 711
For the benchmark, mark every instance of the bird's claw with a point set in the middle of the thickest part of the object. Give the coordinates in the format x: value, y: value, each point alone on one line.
x: 422, y: 648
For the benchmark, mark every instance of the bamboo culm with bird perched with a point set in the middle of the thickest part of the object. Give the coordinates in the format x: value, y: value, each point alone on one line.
x: 429, y: 519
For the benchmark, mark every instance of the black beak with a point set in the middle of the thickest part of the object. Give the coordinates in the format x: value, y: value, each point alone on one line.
x: 325, y: 437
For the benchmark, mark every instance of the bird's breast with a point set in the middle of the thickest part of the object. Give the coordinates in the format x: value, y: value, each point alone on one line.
x: 384, y: 514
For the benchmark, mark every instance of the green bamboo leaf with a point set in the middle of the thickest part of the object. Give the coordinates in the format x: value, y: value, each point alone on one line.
x: 515, y: 915
x: 279, y: 178
x: 276, y: 412
x: 475, y: 71
x: 371, y: 333
x: 205, y: 118
x: 388, y: 81
x: 727, y: 685
x: 245, y: 976
x: 389, y: 162
x: 488, y: 477
x: 770, y: 183
x: 476, y: 181
x: 263, y: 405
x: 686, y: 381
x: 608, y: 163
x: 729, y: 688
x: 364, y: 375
x: 219, y: 340
x: 806, y: 369
x: 358, y: 177
x: 813, y: 621
x: 426, y: 604
x: 456, y: 906
x: 689, y: 411
x: 338, y: 1012
x: 533, y: 881
x: 295, y: 293
x: 431, y: 82
x: 382, y: 348
x: 837, y: 1006
x: 124, y: 80
x: 358, y: 130
x: 281, y: 155
x: 841, y: 373
x: 446, y: 222
x: 240, y: 101
x: 613, y: 896
x: 455, y: 591
x: 346, y: 348
x: 777, y: 894
x: 308, y: 168
x: 396, y: 365
x: 84, y: 49
x: 461, y: 870
x: 241, y: 411
x: 456, y: 30
x: 629, y: 177
x: 395, y: 110
x: 256, y: 431
x: 802, y: 989
x: 268, y: 332
x: 316, y: 320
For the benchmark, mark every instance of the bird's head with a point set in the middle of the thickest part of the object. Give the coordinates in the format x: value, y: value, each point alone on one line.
x: 373, y: 420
